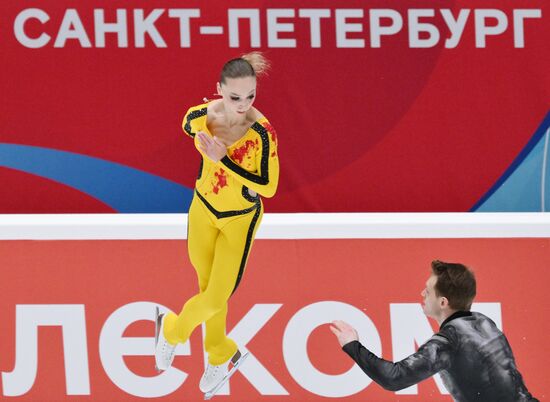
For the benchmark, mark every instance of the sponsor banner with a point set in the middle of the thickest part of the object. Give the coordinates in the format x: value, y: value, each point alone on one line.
x: 408, y: 107
x: 77, y: 315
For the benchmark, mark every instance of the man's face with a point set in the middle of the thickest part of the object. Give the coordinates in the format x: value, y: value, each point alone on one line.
x: 432, y: 302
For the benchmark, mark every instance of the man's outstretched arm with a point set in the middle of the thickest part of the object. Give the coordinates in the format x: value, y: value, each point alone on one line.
x: 430, y: 358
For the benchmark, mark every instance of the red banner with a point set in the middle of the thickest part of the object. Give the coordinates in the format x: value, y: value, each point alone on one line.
x: 77, y: 315
x: 401, y: 107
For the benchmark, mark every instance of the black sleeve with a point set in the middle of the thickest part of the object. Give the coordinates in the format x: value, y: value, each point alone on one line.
x: 430, y: 358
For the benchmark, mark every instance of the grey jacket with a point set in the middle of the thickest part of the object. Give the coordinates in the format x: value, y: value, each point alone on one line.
x: 472, y: 355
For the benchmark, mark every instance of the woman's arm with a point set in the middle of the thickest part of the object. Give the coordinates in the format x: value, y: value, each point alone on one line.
x: 265, y: 181
x: 189, y: 125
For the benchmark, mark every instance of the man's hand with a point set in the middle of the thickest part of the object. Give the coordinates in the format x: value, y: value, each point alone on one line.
x: 344, y: 332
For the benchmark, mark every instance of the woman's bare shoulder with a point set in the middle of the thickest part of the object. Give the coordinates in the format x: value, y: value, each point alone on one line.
x: 255, y: 114
x: 214, y: 107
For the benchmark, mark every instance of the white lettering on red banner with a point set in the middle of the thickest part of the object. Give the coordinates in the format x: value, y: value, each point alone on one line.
x: 113, y: 347
x: 352, y: 26
x: 254, y: 371
x: 28, y: 317
x: 409, y: 328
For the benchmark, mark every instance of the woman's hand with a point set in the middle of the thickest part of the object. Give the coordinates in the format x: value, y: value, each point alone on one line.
x: 211, y: 146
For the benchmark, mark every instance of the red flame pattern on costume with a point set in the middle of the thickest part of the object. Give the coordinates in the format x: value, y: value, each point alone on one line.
x: 222, y: 181
x: 239, y: 154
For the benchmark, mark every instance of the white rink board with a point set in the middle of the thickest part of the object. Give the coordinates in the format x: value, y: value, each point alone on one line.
x: 281, y: 226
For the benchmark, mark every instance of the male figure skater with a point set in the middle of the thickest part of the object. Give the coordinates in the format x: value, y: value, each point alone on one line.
x: 471, y: 354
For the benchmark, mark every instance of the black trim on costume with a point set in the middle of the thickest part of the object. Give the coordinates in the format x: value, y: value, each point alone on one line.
x: 263, y: 179
x: 191, y: 116
x: 247, y: 196
x: 249, y: 239
x: 200, y: 168
x: 227, y: 214
x: 187, y: 236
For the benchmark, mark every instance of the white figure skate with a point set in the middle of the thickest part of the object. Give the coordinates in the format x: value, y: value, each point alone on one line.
x: 215, y: 377
x: 164, y: 351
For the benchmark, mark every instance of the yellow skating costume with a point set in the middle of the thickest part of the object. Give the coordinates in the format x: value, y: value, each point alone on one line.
x: 223, y: 219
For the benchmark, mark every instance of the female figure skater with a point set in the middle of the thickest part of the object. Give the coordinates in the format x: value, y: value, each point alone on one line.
x: 239, y: 164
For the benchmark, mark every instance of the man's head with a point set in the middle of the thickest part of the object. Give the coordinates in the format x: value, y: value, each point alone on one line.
x: 451, y: 287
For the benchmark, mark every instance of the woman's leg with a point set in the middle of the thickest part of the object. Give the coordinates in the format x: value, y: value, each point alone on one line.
x: 201, y: 243
x: 232, y: 250
x: 230, y: 255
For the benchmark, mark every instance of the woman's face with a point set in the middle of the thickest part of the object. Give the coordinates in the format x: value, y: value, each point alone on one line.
x: 238, y: 94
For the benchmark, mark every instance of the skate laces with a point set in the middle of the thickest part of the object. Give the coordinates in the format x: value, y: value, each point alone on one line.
x: 168, y: 350
x: 207, y: 371
x: 212, y: 370
x: 172, y: 351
